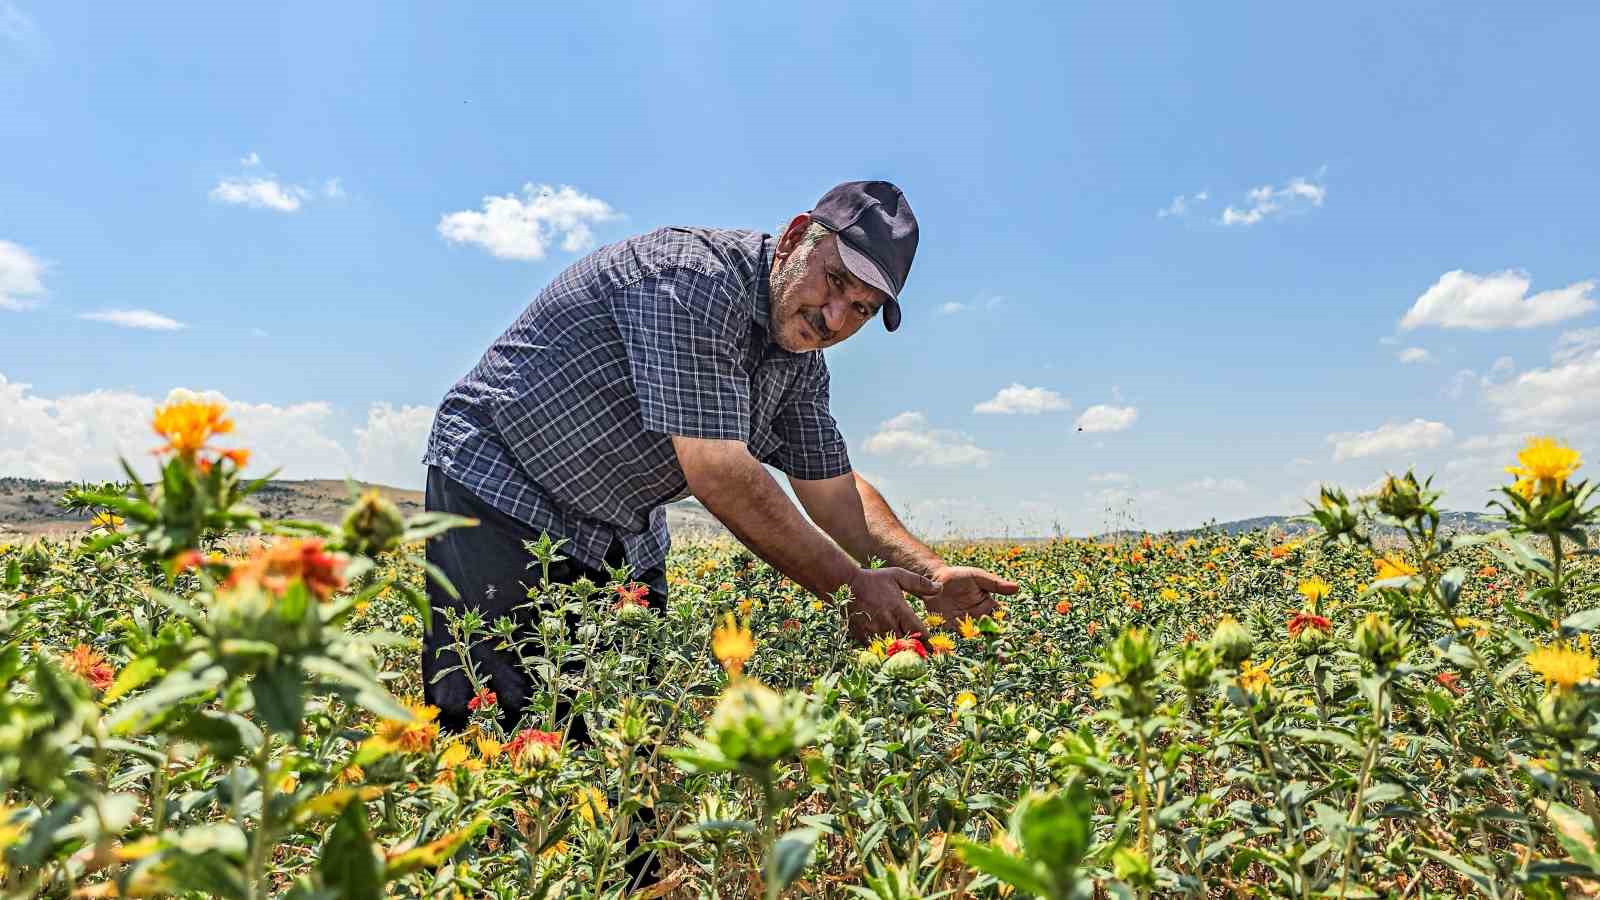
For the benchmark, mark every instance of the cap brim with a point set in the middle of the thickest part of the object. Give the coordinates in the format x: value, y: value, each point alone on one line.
x: 862, y: 266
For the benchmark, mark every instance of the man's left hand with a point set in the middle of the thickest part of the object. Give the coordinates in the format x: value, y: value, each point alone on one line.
x: 966, y: 591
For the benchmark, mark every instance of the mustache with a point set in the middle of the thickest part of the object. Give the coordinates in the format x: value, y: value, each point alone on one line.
x: 820, y: 327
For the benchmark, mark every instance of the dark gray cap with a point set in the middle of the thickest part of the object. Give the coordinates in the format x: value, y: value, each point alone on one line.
x: 877, y: 236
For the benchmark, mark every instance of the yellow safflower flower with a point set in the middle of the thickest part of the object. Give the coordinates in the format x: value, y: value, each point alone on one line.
x: 188, y: 423
x: 1314, y: 588
x: 1561, y: 667
x: 732, y: 644
x: 1253, y: 677
x: 1546, y: 464
x: 969, y: 628
x: 1393, y: 566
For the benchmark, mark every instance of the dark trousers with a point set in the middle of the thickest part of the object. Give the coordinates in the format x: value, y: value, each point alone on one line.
x: 489, y: 566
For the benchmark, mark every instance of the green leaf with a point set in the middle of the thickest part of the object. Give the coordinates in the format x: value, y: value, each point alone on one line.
x: 280, y: 697
x: 1054, y: 829
x: 1012, y: 870
x: 1581, y: 621
x: 1575, y: 831
x: 168, y: 693
x: 1329, y: 736
x: 789, y: 856
x: 366, y: 692
x: 350, y: 863
x: 132, y: 677
x: 1477, y: 875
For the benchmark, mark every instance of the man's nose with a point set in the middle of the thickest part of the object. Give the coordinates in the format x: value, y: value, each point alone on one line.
x: 833, y: 315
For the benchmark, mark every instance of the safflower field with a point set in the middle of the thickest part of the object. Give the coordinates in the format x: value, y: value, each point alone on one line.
x: 202, y: 703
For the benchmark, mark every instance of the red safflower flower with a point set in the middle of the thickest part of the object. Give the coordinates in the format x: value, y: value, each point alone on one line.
x: 188, y: 559
x: 484, y: 699
x: 1063, y: 606
x: 1450, y: 681
x: 1300, y: 621
x: 533, y: 742
x: 1093, y: 628
x: 632, y: 594
x: 905, y: 643
x: 791, y: 625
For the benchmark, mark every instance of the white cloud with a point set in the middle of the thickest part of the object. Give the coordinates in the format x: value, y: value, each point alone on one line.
x: 952, y: 307
x: 1110, y: 478
x: 512, y: 227
x: 1298, y: 194
x: 389, y: 446
x: 21, y: 277
x: 909, y: 434
x: 1105, y: 417
x: 250, y: 160
x: 80, y: 436
x: 135, y: 318
x: 1574, y: 345
x: 1488, y: 302
x: 1180, y: 205
x: 1392, y: 437
x: 1028, y: 401
x: 1562, y: 395
x: 1412, y: 355
x: 258, y: 193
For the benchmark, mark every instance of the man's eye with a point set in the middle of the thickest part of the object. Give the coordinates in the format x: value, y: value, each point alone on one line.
x: 862, y: 311
x: 835, y: 282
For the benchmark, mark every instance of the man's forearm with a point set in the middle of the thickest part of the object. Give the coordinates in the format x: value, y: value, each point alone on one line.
x: 888, y: 539
x: 744, y: 497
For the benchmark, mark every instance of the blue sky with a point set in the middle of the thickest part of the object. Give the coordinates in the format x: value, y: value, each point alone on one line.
x: 1208, y: 221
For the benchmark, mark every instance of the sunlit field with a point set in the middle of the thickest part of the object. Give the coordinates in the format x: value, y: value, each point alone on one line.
x: 203, y: 703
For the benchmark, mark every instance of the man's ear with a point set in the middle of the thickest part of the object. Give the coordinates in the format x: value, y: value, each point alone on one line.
x: 791, y: 236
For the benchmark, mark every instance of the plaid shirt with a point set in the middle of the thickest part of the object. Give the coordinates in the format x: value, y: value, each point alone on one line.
x: 565, y: 423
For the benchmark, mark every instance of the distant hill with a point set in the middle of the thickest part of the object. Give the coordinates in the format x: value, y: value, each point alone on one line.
x: 28, y: 506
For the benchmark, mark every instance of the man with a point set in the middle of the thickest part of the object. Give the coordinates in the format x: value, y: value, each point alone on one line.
x: 671, y: 363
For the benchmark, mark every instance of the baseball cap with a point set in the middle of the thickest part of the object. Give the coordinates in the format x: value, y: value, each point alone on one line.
x: 877, y: 235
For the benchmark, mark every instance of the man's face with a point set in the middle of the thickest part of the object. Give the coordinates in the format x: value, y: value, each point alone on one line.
x: 816, y: 301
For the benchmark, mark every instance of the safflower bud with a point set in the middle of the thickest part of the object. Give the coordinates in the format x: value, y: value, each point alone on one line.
x: 907, y: 665
x: 374, y: 524
x: 1376, y: 641
x: 1232, y: 641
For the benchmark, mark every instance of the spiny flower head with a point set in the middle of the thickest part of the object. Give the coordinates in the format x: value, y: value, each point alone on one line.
x: 534, y: 749
x: 275, y: 567
x: 1562, y: 667
x: 413, y: 735
x: 106, y: 520
x: 969, y: 628
x: 1394, y: 566
x: 1545, y: 464
x: 732, y: 644
x: 1254, y: 678
x: 187, y: 422
x: 1300, y: 621
x: 1314, y: 588
x: 941, y: 643
x: 90, y: 665
x: 906, y: 643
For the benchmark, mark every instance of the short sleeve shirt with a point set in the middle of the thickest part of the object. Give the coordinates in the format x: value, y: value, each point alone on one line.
x: 565, y: 423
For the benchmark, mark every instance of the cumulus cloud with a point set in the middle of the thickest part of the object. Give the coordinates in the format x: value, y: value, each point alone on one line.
x: 952, y: 307
x: 1392, y: 437
x: 909, y: 434
x: 1500, y: 300
x: 512, y: 227
x: 1180, y: 205
x: 1267, y: 201
x: 80, y: 436
x: 1105, y: 417
x: 1575, y: 345
x: 1028, y: 401
x: 1413, y: 355
x: 1565, y: 394
x: 135, y: 318
x: 389, y: 446
x: 259, y: 193
x: 21, y: 277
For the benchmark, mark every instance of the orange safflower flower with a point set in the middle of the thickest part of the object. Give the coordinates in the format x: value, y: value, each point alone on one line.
x: 277, y: 566
x: 1300, y: 621
x: 412, y: 735
x: 969, y: 628
x: 90, y: 665
x: 188, y: 423
x: 484, y: 699
x: 1063, y: 607
x: 633, y: 595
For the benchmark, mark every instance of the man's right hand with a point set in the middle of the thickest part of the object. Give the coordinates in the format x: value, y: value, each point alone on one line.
x: 878, y: 603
